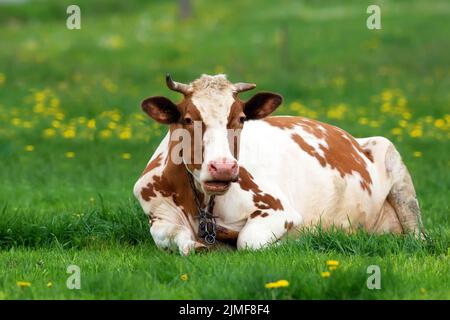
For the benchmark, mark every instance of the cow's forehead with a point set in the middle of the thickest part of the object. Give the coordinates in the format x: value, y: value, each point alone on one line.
x: 213, y: 96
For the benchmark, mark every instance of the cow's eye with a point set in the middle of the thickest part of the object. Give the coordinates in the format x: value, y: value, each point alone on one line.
x: 242, y: 119
x: 187, y: 121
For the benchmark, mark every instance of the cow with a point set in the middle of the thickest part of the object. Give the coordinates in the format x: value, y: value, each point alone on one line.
x: 282, y: 173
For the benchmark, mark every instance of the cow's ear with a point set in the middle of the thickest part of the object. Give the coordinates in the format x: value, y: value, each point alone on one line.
x: 161, y: 109
x: 261, y: 105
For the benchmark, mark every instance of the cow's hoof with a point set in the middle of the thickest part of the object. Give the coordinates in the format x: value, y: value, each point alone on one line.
x: 191, y: 247
x: 200, y: 247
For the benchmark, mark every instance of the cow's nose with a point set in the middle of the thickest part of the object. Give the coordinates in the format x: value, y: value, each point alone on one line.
x: 223, y: 170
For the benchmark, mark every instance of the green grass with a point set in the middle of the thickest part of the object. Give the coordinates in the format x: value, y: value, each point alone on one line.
x: 56, y: 211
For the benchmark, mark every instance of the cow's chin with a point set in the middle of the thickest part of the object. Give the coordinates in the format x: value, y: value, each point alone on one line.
x: 216, y: 187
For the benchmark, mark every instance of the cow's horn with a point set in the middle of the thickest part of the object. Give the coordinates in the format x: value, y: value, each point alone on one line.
x: 242, y: 86
x: 177, y: 86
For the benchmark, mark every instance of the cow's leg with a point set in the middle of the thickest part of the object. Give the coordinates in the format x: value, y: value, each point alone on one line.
x: 402, y: 195
x: 388, y: 221
x: 172, y: 236
x: 266, y: 227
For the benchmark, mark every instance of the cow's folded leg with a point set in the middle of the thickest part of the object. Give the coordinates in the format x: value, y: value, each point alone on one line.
x: 174, y: 237
x: 402, y: 195
x: 266, y: 228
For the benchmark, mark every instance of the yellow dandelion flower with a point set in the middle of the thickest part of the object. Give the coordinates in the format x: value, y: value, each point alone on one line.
x: 29, y: 148
x: 125, y: 135
x: 184, y: 277
x: 337, y: 112
x: 39, y: 96
x: 116, y: 116
x: 447, y: 118
x: 91, y: 124
x: 277, y: 284
x: 56, y: 124
x: 54, y: 103
x: 39, y: 107
x: 386, y: 107
x: 423, y: 291
x: 23, y: 284
x: 70, y: 154
x: 363, y: 120
x: 2, y: 78
x: 417, y: 154
x: 439, y: 123
x: 112, y: 125
x: 396, y: 131
x: 138, y: 116
x: 49, y: 132
x: 403, y: 123
x: 387, y: 95
x: 16, y: 121
x: 69, y: 133
x: 49, y: 284
x: 126, y: 156
x: 332, y: 264
x: 325, y: 274
x: 416, y: 132
x: 105, y: 134
x: 407, y: 115
x: 59, y: 116
x: 296, y: 106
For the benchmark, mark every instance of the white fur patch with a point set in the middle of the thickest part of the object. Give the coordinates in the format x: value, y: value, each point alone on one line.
x: 213, y: 97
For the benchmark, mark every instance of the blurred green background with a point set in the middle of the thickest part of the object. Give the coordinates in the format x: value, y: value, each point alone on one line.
x: 73, y: 139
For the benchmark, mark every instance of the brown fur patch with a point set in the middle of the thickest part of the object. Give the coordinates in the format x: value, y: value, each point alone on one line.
x: 309, y: 149
x: 153, y: 164
x: 368, y: 154
x: 261, y: 200
x: 288, y: 225
x: 226, y: 235
x: 266, y: 201
x: 147, y: 192
x: 342, y: 152
x: 188, y: 109
x: 233, y: 123
x: 255, y: 214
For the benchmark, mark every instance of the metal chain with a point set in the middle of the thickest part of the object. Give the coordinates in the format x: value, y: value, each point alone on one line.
x: 207, y: 221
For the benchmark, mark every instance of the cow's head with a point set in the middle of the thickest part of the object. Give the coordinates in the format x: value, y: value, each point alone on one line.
x: 212, y: 115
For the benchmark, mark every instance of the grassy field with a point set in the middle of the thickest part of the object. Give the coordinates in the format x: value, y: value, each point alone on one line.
x: 73, y: 140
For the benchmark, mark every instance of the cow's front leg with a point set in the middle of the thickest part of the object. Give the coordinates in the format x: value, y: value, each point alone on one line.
x: 265, y: 227
x: 172, y: 236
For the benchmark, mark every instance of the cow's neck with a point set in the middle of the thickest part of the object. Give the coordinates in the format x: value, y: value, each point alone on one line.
x: 178, y: 179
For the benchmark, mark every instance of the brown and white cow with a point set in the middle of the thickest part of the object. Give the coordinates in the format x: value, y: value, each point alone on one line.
x: 285, y: 172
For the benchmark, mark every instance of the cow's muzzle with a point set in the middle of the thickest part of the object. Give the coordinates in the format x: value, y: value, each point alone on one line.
x: 222, y: 173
